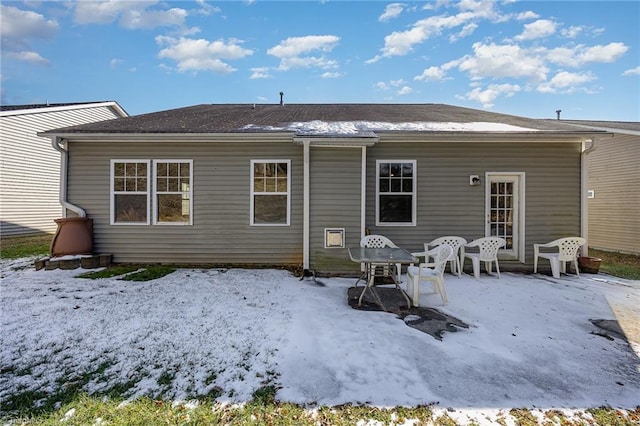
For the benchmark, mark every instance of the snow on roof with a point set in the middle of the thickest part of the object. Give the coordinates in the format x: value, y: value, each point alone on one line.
x: 359, y: 127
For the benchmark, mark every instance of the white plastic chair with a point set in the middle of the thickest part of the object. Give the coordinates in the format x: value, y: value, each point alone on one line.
x: 454, y: 259
x: 433, y: 272
x: 566, y: 250
x: 487, y: 252
x: 380, y: 241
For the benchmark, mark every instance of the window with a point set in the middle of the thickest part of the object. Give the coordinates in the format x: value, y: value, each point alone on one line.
x: 132, y: 186
x: 270, y: 189
x: 172, y: 192
x: 396, y: 192
x: 130, y: 191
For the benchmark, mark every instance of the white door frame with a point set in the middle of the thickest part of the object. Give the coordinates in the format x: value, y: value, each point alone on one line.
x: 518, y: 180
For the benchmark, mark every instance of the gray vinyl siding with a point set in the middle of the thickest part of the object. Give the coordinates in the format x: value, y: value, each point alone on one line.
x: 221, y: 233
x: 335, y: 188
x: 448, y: 205
x: 30, y: 171
x: 614, y: 176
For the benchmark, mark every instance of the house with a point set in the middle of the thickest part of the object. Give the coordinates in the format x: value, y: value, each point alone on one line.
x: 298, y: 184
x: 30, y: 172
x: 614, y: 187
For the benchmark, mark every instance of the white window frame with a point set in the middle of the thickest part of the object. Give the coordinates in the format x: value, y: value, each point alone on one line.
x: 414, y: 194
x: 252, y: 193
x: 155, y: 192
x: 113, y: 193
x: 517, y: 252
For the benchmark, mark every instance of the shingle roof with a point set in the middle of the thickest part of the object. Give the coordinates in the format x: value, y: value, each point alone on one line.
x: 612, y: 125
x: 234, y: 118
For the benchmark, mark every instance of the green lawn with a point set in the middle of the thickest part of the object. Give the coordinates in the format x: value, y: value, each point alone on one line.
x: 17, y: 247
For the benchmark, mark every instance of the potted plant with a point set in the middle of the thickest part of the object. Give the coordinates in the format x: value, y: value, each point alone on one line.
x: 590, y: 265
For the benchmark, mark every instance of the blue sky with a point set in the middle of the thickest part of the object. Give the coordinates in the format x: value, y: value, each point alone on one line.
x: 526, y: 58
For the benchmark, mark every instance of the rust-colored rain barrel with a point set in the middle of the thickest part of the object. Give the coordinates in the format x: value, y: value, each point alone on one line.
x: 74, y: 236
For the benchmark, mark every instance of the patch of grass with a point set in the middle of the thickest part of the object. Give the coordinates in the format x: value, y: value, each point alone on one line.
x: 150, y: 273
x: 618, y: 264
x: 18, y: 247
x: 111, y: 271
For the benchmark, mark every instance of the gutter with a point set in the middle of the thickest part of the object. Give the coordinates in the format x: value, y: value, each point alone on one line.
x: 584, y: 181
x: 57, y: 144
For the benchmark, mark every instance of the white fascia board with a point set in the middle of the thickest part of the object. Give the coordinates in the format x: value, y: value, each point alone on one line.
x: 111, y: 104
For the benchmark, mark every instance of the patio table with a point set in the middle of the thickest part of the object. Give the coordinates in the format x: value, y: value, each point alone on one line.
x: 372, y: 259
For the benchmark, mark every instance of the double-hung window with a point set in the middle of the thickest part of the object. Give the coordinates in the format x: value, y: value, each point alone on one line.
x: 396, y: 192
x: 137, y: 190
x: 270, y: 192
x: 172, y: 192
x: 130, y: 192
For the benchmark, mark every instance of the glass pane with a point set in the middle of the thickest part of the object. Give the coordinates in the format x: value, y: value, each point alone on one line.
x: 270, y: 169
x: 258, y: 169
x: 142, y: 184
x: 130, y: 169
x: 282, y: 185
x: 173, y: 184
x: 407, y: 170
x: 384, y: 185
x: 161, y: 184
x: 270, y: 209
x: 396, y: 169
x: 130, y: 208
x: 118, y: 169
x: 396, y: 208
x: 130, y: 185
x: 171, y: 208
x: 173, y: 169
x: 384, y: 170
x: 282, y: 169
x: 184, y: 169
x: 258, y: 185
x: 396, y: 185
x: 270, y: 185
x: 407, y: 185
x: 142, y: 169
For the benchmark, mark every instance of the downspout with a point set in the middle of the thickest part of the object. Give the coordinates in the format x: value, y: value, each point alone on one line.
x: 305, y: 208
x: 584, y: 207
x: 57, y: 144
x: 363, y: 192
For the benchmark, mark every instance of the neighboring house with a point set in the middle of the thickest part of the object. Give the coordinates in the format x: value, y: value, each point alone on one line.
x: 614, y: 187
x: 30, y: 171
x: 298, y: 184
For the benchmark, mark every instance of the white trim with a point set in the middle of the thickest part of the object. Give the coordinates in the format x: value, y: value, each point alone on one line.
x: 341, y: 231
x: 89, y: 105
x: 363, y: 192
x: 155, y: 192
x: 414, y: 194
x: 252, y: 194
x: 112, y: 192
x: 584, y: 202
x: 518, y: 251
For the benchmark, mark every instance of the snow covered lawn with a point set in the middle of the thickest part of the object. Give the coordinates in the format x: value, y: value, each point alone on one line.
x: 226, y: 333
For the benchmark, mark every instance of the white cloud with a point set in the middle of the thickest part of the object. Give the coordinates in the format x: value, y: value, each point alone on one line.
x: 392, y: 11
x: 527, y: 15
x: 572, y: 32
x: 631, y: 72
x: 202, y: 55
x: 400, y: 43
x: 113, y: 63
x: 431, y: 74
x: 129, y: 14
x: 331, y: 75
x: 579, y: 55
x: 382, y: 85
x: 292, y: 51
x: 206, y: 9
x: 538, y: 29
x: 18, y: 27
x: 466, y: 31
x: 565, y: 82
x: 501, y: 61
x: 488, y: 96
x: 260, y: 73
x: 31, y: 57
x: 405, y: 90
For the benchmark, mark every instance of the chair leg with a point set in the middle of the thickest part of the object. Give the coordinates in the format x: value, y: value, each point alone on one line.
x: 555, y: 268
x: 575, y: 265
x: 476, y: 267
x: 535, y: 265
x: 458, y: 267
x: 498, y: 268
x: 416, y: 291
x: 442, y: 291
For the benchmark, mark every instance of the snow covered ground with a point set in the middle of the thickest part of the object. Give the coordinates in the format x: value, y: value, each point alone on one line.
x: 229, y: 332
